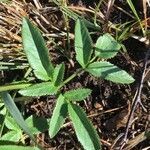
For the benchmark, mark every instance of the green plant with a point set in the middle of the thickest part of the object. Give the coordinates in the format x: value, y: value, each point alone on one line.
x: 10, y: 131
x: 92, y: 59
x: 4, y: 1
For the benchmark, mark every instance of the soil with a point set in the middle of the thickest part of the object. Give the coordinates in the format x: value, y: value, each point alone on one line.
x: 109, y: 105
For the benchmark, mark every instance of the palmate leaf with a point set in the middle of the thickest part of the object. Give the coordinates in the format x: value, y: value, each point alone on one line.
x: 106, y: 46
x: 83, y: 43
x: 40, y: 89
x: 36, y: 51
x: 110, y: 72
x: 77, y: 95
x: 85, y: 132
x: 58, y: 74
x: 58, y: 116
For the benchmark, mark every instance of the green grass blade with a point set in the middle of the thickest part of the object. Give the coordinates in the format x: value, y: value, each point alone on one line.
x: 58, y: 116
x: 136, y: 15
x: 83, y: 43
x: 36, y: 51
x: 12, y: 108
x: 77, y: 95
x: 5, y: 1
x: 15, y: 147
x: 40, y: 89
x: 14, y: 87
x: 85, y: 132
x: 75, y: 17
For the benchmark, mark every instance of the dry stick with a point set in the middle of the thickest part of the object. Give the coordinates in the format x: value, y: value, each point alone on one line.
x: 107, y: 15
x: 136, y: 101
x: 122, y: 10
x: 109, y: 7
x: 145, y: 13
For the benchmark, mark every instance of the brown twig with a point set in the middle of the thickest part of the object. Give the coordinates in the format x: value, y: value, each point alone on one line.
x: 136, y: 101
x: 132, y: 143
x: 109, y: 7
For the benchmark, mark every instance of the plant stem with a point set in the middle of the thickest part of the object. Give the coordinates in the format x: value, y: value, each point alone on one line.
x: 96, y: 11
x: 136, y: 101
x: 91, y: 61
x: 14, y: 86
x: 79, y: 71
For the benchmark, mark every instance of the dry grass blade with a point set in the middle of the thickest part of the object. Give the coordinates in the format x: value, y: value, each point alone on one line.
x: 11, y: 19
x: 10, y: 27
x: 145, y: 13
x: 132, y: 143
x: 110, y: 5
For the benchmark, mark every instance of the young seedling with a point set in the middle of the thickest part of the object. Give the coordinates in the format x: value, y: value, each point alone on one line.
x: 91, y: 59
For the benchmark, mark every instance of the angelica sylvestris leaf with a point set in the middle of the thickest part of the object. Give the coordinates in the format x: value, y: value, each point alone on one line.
x: 10, y: 123
x: 85, y: 132
x: 58, y: 116
x: 77, y: 95
x: 58, y: 74
x: 106, y: 46
x: 40, y: 89
x: 37, y: 124
x: 110, y: 72
x: 12, y: 136
x: 83, y: 43
x: 36, y: 51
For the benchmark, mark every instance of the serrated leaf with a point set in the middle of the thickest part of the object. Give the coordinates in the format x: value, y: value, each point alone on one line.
x: 3, y: 109
x: 36, y: 51
x: 2, y: 114
x: 83, y: 43
x: 110, y: 72
x: 77, y: 95
x: 13, y: 136
x: 106, y: 46
x: 37, y: 124
x: 10, y: 123
x: 85, y: 132
x: 15, y: 147
x: 58, y: 116
x: 12, y: 108
x: 45, y: 88
x: 58, y: 74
